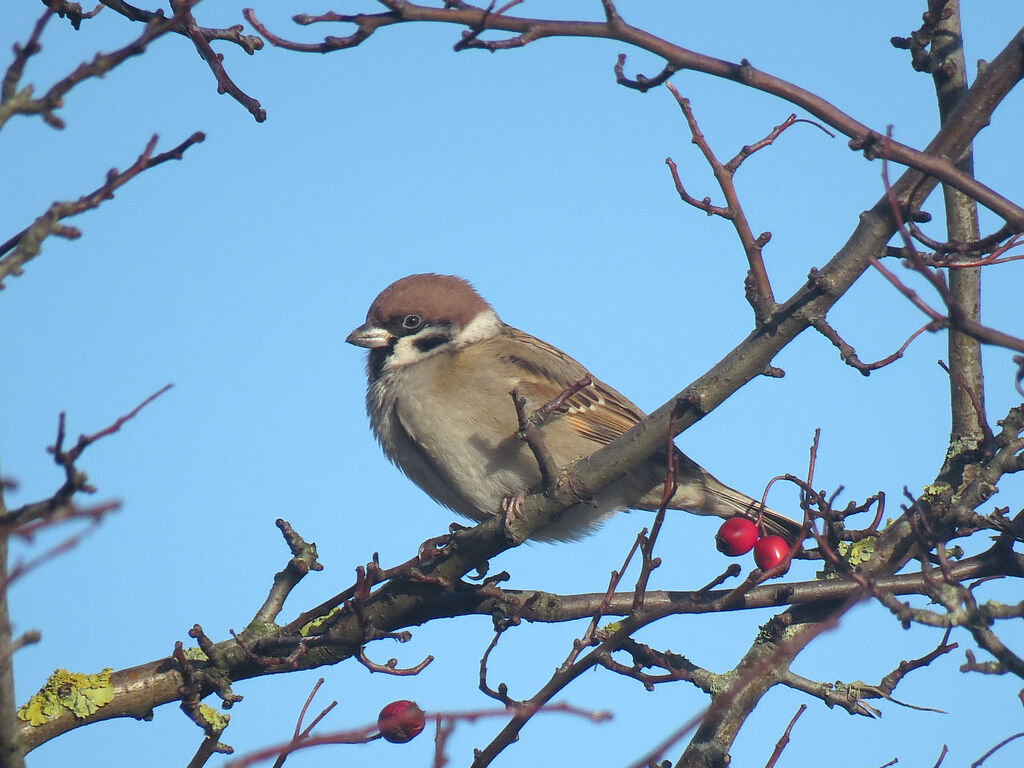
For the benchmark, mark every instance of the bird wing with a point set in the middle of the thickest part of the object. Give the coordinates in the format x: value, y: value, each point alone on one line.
x: 595, y: 412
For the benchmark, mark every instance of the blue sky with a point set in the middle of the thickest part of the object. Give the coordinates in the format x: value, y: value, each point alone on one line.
x: 237, y: 273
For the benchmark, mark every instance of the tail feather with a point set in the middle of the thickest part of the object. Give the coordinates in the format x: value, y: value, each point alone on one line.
x: 699, y: 492
x: 728, y: 502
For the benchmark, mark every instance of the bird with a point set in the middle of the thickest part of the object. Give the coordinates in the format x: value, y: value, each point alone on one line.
x: 440, y: 367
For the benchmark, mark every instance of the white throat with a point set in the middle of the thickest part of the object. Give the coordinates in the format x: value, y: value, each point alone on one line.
x: 485, y: 325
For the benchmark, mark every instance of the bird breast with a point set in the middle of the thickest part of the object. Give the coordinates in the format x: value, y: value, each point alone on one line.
x: 452, y: 431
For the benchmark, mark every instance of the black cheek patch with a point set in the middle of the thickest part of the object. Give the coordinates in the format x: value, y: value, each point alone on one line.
x: 433, y: 341
x: 376, y: 360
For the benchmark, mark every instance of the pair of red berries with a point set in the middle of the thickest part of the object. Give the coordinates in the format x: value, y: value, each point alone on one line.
x: 738, y: 535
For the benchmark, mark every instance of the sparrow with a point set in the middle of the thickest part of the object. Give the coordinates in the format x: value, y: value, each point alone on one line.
x: 440, y: 367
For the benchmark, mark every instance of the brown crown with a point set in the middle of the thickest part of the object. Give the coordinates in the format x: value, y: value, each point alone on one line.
x: 436, y: 298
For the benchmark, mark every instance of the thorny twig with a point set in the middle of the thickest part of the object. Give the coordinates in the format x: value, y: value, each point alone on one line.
x: 28, y: 243
x: 759, y: 290
x: 758, y: 287
x: 303, y: 560
x: 366, y: 577
x: 215, y: 62
x: 191, y: 693
x: 534, y: 438
x: 391, y: 666
x: 590, y: 635
x: 366, y: 25
x: 993, y: 245
x: 75, y: 481
x: 648, y: 562
x: 849, y: 355
x: 724, y: 697
x: 977, y: 763
x: 530, y: 432
x: 956, y: 317
x: 183, y: 23
x: 301, y: 733
x: 73, y: 11
x: 471, y: 37
x: 501, y: 624
x: 607, y: 5
x: 233, y: 34
x: 853, y: 696
x: 67, y: 458
x: 95, y: 515
x: 21, y: 57
x: 641, y: 83
x: 871, y: 142
x: 21, y: 102
x: 784, y: 739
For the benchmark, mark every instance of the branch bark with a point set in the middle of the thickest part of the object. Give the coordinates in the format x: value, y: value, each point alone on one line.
x: 932, y: 161
x: 950, y: 78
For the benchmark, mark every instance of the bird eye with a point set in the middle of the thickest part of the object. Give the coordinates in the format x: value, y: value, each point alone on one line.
x: 412, y: 322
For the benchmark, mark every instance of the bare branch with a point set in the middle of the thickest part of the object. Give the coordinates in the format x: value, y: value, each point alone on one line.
x: 304, y: 560
x: 233, y: 34
x: 21, y: 102
x: 74, y: 480
x: 758, y: 287
x: 214, y: 60
x: 391, y: 667
x: 977, y: 763
x: 849, y: 354
x: 27, y: 244
x: 73, y: 11
x: 784, y: 739
x: 366, y: 25
x: 1000, y: 76
x: 959, y: 318
x: 641, y: 83
x: 534, y: 438
x: 22, y: 53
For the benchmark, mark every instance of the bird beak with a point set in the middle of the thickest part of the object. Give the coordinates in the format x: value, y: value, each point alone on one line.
x: 370, y: 337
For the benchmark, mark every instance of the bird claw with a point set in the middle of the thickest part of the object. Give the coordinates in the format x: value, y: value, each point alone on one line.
x: 511, y: 507
x: 431, y: 549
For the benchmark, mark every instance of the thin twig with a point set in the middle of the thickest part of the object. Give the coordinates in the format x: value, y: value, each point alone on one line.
x: 784, y: 739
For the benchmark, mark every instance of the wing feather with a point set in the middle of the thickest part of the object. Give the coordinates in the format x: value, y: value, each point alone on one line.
x: 597, y: 413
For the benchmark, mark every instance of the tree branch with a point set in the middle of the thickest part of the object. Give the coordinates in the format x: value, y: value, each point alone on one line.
x: 931, y: 162
x: 27, y: 244
x: 21, y: 102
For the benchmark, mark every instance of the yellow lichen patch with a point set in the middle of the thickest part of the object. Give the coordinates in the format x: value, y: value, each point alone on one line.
x: 216, y: 721
x: 611, y: 627
x: 78, y: 693
x: 195, y: 654
x: 934, y: 491
x: 318, y: 622
x: 857, y: 552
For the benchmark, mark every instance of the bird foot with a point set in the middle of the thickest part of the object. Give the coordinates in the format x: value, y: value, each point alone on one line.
x: 511, y: 507
x: 431, y: 549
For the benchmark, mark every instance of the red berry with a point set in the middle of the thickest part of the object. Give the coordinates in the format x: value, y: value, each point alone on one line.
x: 736, y: 536
x: 400, y: 721
x: 770, y: 551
